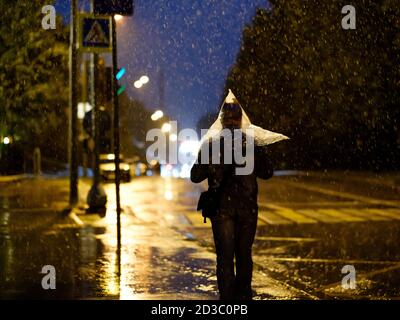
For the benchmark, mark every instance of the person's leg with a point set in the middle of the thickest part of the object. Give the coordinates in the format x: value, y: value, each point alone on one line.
x: 223, y: 231
x: 245, y: 230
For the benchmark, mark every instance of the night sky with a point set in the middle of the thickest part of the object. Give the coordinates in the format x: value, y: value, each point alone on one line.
x: 194, y: 43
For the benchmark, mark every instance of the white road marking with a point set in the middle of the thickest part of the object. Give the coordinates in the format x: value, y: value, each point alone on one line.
x: 335, y: 261
x: 76, y: 219
x: 345, y: 195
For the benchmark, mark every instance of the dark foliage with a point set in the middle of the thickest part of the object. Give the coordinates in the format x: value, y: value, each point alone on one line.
x: 33, y: 80
x: 335, y: 92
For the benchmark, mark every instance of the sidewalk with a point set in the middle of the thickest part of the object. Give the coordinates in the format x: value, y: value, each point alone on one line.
x: 30, y: 192
x: 13, y: 178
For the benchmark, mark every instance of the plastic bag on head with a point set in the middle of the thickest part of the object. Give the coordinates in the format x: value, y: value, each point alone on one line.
x: 262, y: 137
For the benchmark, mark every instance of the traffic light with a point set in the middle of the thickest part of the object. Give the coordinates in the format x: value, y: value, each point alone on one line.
x: 121, y: 72
x: 109, y: 79
x: 120, y: 89
x: 111, y: 7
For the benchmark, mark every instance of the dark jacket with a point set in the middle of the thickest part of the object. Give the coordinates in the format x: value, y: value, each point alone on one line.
x: 236, y: 190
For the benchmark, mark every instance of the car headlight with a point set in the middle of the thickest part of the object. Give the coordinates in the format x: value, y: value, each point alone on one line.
x: 107, y: 167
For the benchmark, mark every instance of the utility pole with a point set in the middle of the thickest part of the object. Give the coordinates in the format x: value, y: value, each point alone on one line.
x: 85, y: 153
x: 73, y: 101
x: 116, y: 128
x: 113, y: 7
x: 97, y: 197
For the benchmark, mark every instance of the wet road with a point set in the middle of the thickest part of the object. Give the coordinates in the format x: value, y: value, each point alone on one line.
x: 310, y: 226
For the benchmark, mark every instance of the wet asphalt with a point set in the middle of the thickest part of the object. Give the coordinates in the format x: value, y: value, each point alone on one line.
x: 311, y: 225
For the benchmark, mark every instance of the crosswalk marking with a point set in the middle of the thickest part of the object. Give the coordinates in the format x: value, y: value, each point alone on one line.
x: 336, y: 261
x: 368, y: 215
x: 285, y: 239
x: 341, y: 215
x: 197, y: 220
x: 317, y: 204
x: 396, y: 211
x: 341, y: 194
x: 294, y: 216
x: 386, y: 213
x: 272, y: 218
x: 277, y: 215
x: 261, y: 222
x: 319, y: 216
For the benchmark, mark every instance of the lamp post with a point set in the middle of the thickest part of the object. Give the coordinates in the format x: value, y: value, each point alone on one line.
x: 116, y: 128
x: 96, y: 198
x: 73, y: 99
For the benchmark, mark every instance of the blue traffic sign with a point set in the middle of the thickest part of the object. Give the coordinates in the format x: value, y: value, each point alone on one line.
x: 95, y: 34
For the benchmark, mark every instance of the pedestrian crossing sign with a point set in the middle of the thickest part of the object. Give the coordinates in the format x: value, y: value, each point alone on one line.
x: 95, y: 33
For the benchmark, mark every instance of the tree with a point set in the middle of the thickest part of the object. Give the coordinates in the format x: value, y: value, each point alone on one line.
x: 33, y: 79
x: 206, y: 121
x: 135, y: 123
x: 333, y: 91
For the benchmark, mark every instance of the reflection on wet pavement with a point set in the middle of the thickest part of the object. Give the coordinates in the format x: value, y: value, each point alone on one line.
x: 155, y: 260
x: 304, y: 239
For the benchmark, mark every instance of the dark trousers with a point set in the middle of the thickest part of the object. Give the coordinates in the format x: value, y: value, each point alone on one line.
x: 234, y: 231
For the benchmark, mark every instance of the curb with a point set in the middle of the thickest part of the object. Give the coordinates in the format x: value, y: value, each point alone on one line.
x: 15, y: 178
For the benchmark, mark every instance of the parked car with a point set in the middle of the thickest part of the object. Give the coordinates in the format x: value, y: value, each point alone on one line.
x: 138, y: 167
x: 107, y: 168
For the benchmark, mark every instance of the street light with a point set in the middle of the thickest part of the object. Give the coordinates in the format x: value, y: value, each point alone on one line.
x: 189, y: 147
x: 166, y: 127
x: 6, y: 140
x: 138, y: 84
x: 83, y: 108
x: 173, y: 137
x: 144, y: 79
x: 157, y: 115
x: 118, y: 17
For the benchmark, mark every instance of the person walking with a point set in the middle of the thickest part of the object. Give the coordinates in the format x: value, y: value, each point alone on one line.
x: 234, y: 221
